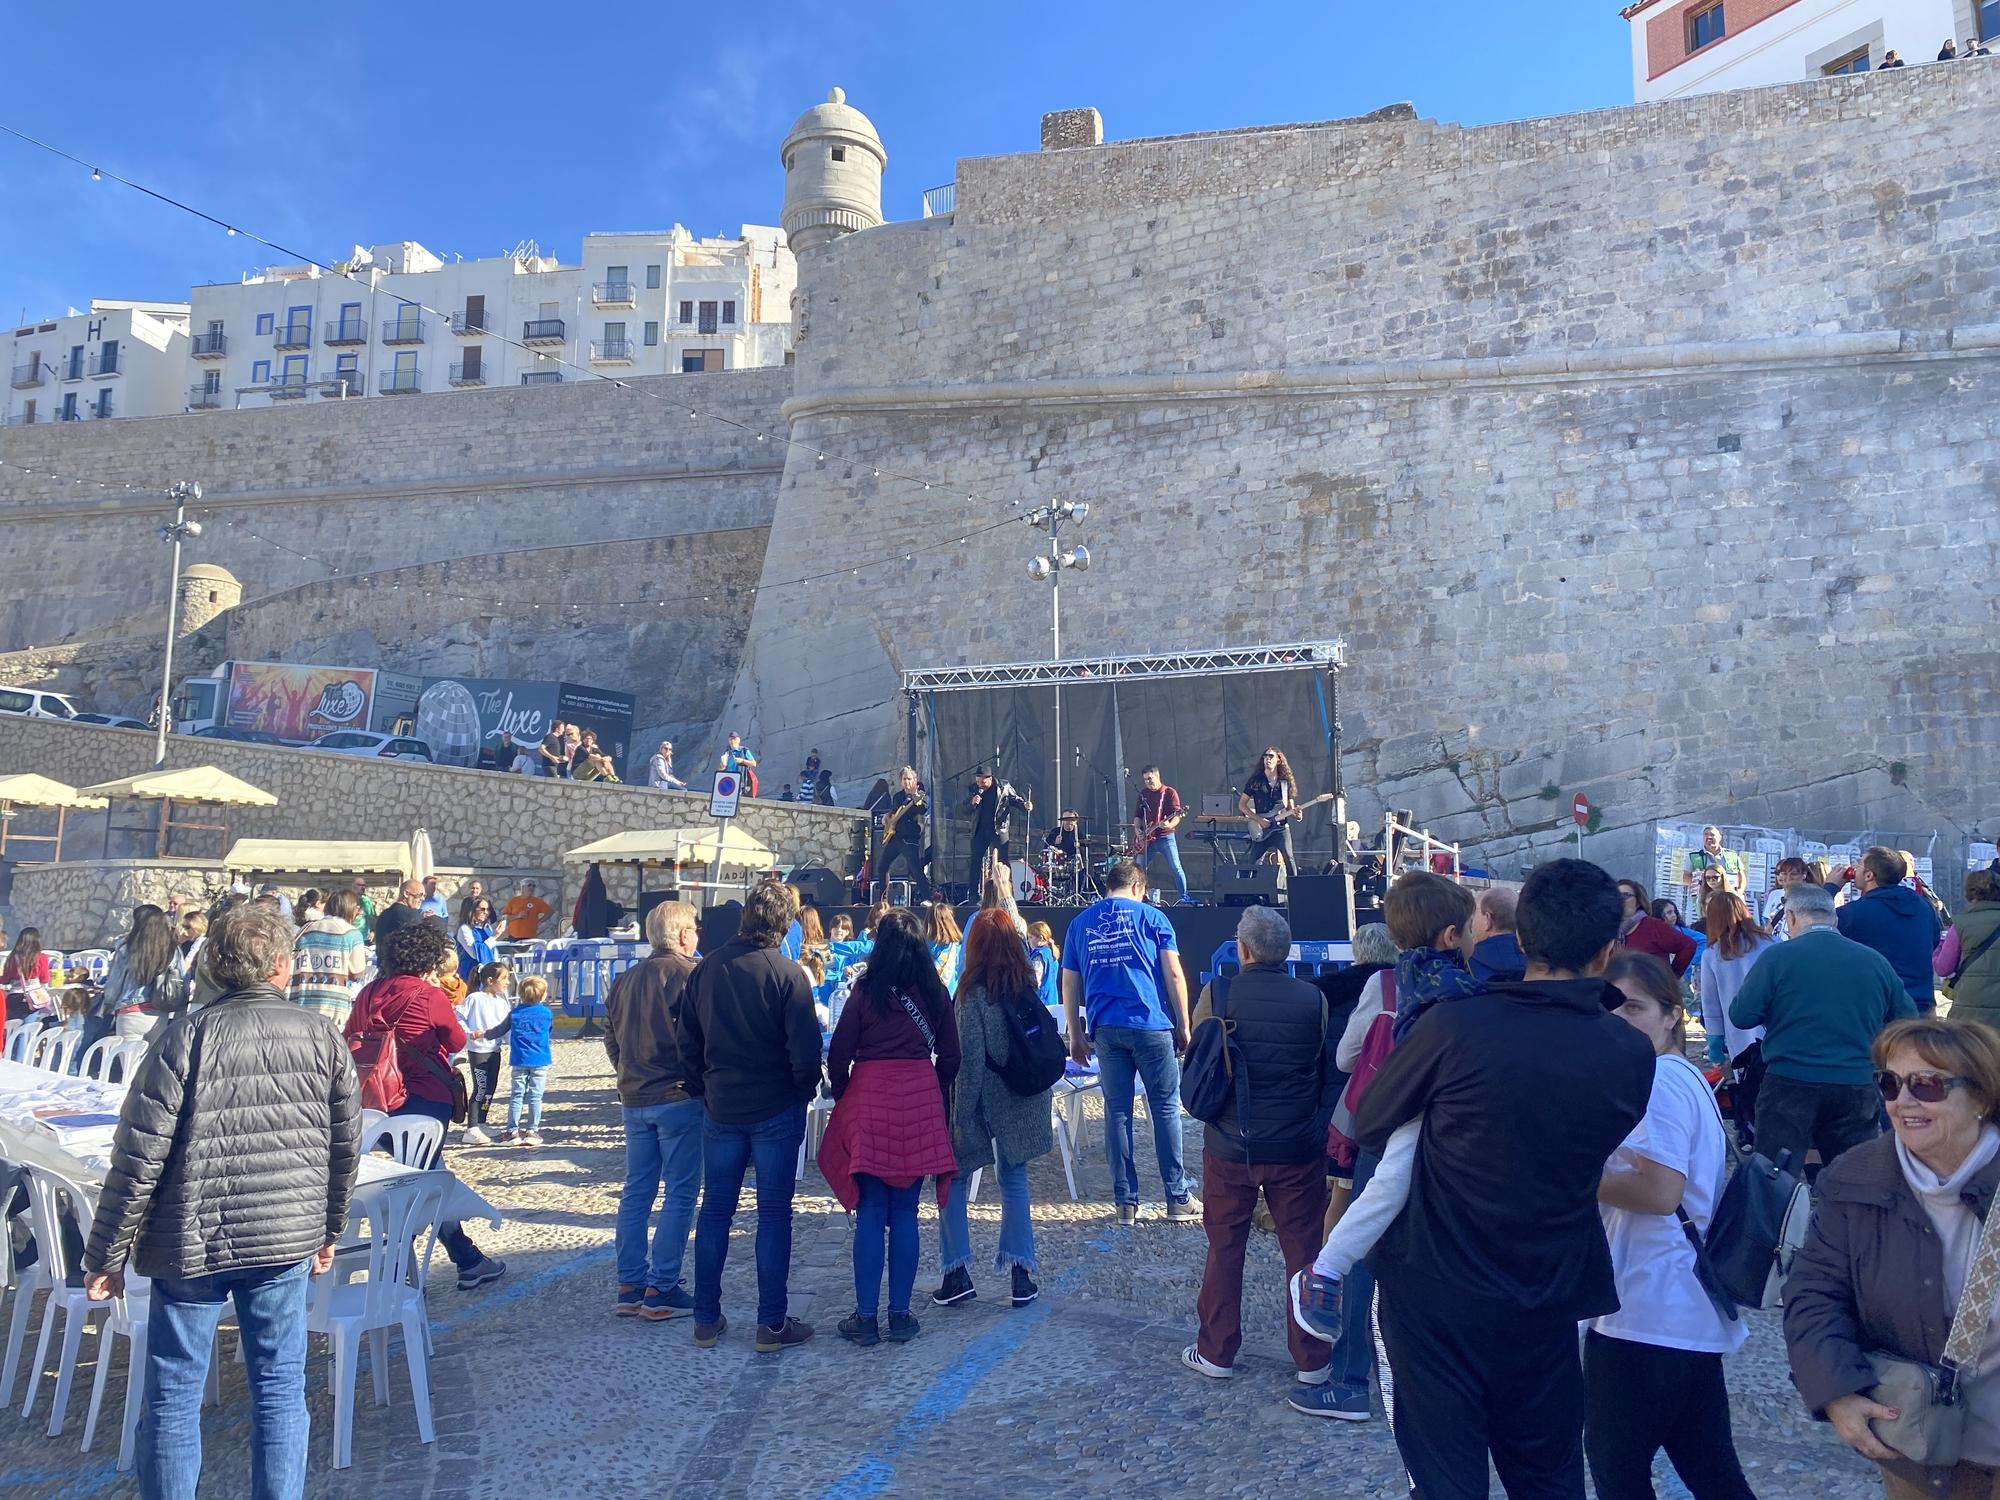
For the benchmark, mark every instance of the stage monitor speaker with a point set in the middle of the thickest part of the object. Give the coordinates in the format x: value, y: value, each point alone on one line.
x: 1319, y: 908
x: 819, y: 886
x: 1249, y: 885
x: 650, y: 899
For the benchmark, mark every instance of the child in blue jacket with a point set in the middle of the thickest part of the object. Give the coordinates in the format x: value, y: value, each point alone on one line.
x: 527, y: 1030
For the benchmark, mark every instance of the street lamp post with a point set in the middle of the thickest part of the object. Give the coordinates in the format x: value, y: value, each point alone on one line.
x: 176, y: 531
x: 1051, y: 518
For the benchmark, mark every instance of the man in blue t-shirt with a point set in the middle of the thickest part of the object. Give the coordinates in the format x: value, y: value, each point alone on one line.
x: 1124, y: 991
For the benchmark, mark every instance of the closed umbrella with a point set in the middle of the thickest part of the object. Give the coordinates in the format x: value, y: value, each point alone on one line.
x: 421, y: 862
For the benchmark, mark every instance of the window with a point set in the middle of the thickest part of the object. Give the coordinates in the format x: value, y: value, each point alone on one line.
x: 687, y: 312
x: 295, y: 370
x: 211, y: 382
x: 1989, y: 21
x: 103, y: 406
x: 1854, y: 62
x: 1705, y: 26
x: 652, y: 334
x: 839, y: 153
x: 260, y: 372
x: 348, y: 365
x: 215, y: 328
x: 695, y: 361
x: 652, y: 278
x: 75, y: 362
x: 708, y: 317
x: 729, y: 312
x: 614, y: 333
x: 107, y: 358
x: 265, y: 322
x: 69, y: 406
x: 406, y: 365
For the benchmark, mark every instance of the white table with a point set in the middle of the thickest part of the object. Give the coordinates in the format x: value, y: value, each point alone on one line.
x: 22, y: 1089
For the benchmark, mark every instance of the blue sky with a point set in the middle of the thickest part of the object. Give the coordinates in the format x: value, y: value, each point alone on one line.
x: 472, y: 126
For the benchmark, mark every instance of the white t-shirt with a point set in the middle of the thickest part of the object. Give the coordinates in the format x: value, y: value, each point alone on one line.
x: 1660, y: 1300
x: 480, y: 1011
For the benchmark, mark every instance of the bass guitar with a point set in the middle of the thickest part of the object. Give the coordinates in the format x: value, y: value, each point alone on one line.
x: 890, y: 823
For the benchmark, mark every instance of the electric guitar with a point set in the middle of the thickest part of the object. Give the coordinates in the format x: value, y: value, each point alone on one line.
x: 1143, y: 834
x: 896, y: 817
x: 1262, y: 825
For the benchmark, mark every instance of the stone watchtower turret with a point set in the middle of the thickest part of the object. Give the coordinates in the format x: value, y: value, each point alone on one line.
x: 206, y: 591
x: 833, y: 174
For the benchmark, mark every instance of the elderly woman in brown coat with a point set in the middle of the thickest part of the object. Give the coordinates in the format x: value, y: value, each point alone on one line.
x: 1891, y: 1243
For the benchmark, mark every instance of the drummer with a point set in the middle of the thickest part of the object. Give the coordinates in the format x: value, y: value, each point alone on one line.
x: 1059, y: 844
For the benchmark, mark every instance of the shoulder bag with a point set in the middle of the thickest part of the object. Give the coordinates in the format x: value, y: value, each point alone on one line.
x: 1967, y: 960
x: 1929, y: 1400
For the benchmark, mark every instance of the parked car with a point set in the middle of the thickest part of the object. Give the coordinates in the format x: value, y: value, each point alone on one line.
x: 242, y: 736
x: 113, y: 721
x: 373, y: 743
x: 35, y: 703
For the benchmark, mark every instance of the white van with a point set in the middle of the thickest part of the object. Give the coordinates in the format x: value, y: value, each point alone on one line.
x: 35, y: 703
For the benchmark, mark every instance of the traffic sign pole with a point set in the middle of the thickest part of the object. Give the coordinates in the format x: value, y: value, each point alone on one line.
x: 722, y: 804
x: 1579, y: 809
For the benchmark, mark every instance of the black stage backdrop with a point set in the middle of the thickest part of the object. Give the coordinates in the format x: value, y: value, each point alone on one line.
x: 1204, y: 733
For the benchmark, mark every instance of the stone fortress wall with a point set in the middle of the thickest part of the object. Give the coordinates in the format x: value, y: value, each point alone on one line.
x: 1650, y: 453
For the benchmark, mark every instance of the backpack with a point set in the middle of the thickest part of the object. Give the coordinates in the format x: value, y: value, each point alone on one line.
x: 377, y: 1066
x: 1035, y: 1050
x: 1213, y: 1075
x: 1759, y: 1223
x: 1375, y: 1047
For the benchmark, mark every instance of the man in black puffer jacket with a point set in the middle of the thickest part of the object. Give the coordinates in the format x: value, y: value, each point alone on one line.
x: 1278, y: 1143
x: 230, y: 1174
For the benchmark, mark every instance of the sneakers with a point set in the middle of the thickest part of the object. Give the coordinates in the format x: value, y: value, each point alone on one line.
x: 863, y: 1331
x: 474, y: 1136
x: 957, y: 1288
x: 629, y: 1300
x: 485, y: 1269
x: 708, y: 1335
x: 673, y: 1302
x: 1025, y: 1290
x: 787, y: 1335
x: 1342, y: 1403
x: 1191, y: 1357
x: 527, y: 1138
x: 1316, y: 1304
x: 1183, y: 1210
x: 903, y: 1327
x: 1128, y: 1213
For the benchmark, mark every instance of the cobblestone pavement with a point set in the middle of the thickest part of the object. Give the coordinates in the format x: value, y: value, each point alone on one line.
x: 540, y: 1391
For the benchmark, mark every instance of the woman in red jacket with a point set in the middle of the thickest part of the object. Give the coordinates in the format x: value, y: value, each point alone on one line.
x: 1642, y: 932
x: 888, y: 1130
x: 406, y: 999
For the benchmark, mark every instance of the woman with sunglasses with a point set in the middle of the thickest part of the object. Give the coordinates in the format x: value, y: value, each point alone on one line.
x: 1892, y: 1240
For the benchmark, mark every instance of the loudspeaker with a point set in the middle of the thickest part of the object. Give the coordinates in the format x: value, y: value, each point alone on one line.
x: 819, y: 886
x: 650, y: 899
x: 1319, y: 908
x: 1249, y: 885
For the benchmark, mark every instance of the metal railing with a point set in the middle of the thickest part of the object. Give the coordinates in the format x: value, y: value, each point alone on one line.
x: 347, y: 331
x: 611, y: 351
x: 201, y: 398
x: 542, y: 377
x: 73, y: 368
x: 106, y: 362
x: 288, y: 387
x: 21, y: 419
x: 403, y: 331
x: 462, y: 376
x: 400, y: 382
x: 611, y: 293
x: 344, y: 383
x: 466, y: 324
x: 28, y: 376
x: 940, y: 200
x: 100, y: 409
x: 292, y: 336
x: 543, y: 331
x: 208, y: 345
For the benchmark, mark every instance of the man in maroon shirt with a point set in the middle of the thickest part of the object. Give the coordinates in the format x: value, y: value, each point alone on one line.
x: 1153, y: 825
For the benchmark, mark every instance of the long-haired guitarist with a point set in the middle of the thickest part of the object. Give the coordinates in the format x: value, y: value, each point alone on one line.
x: 903, y: 834
x: 1270, y: 801
x: 1153, y: 825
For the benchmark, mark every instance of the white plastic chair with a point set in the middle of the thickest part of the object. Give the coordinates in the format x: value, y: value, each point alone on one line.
x: 113, y: 1059
x: 23, y: 1282
x: 52, y: 1199
x: 413, y: 1139
x: 391, y: 1297
x: 127, y: 1320
x: 371, y: 1128
x: 19, y: 1035
x: 51, y: 1050
x: 13, y: 1030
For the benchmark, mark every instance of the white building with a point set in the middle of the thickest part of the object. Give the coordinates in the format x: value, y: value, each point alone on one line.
x: 405, y: 322
x: 1682, y: 47
x: 120, y: 359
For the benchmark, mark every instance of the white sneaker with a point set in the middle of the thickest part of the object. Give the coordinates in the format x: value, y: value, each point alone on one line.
x: 531, y: 1138
x: 1191, y: 1357
x: 474, y: 1136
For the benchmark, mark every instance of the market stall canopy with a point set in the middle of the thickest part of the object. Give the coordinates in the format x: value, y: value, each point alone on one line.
x: 195, y: 784
x: 665, y: 846
x: 320, y: 856
x: 30, y: 790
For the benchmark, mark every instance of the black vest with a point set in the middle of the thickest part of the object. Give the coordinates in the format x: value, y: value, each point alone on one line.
x: 1281, y: 1031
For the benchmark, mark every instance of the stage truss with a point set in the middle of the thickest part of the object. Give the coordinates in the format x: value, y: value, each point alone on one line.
x: 1298, y: 655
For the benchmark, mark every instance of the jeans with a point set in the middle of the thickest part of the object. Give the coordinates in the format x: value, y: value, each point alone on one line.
x: 662, y: 1142
x: 95, y: 1029
x: 1354, y: 1350
x: 908, y: 856
x: 1793, y: 1115
x: 726, y: 1152
x: 485, y: 1081
x: 457, y: 1243
x: 180, y: 1339
x: 1122, y: 1053
x: 1169, y: 847
x: 1017, y: 1224
x: 528, y: 1086
x: 1640, y: 1398
x: 1296, y: 1193
x: 890, y: 1211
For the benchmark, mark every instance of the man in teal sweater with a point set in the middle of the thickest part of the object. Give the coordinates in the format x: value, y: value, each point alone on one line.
x: 1821, y: 999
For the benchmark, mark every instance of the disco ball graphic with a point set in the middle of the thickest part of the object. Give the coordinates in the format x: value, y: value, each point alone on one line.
x: 448, y: 721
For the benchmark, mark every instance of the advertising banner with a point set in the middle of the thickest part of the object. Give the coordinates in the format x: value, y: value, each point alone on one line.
x: 298, y: 703
x: 463, y: 718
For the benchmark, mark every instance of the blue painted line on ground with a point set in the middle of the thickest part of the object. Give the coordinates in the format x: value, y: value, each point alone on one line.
x: 950, y: 1390
x: 482, y: 1302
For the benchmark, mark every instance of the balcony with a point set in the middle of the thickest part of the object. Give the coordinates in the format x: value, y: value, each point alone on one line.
x: 100, y: 409
x: 542, y: 377
x: 611, y: 351
x: 288, y: 388
x: 201, y: 398
x: 612, y: 294
x: 400, y: 382
x: 470, y: 325
x: 292, y: 336
x: 73, y: 369
x: 106, y: 362
x: 460, y: 375
x: 347, y: 331
x: 940, y: 200
x: 543, y: 331
x: 342, y: 384
x: 403, y: 331
x: 209, y: 346
x: 30, y: 375
x: 20, y: 419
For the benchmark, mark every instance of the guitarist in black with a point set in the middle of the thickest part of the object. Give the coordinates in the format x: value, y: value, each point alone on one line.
x: 903, y: 835
x: 1270, y: 801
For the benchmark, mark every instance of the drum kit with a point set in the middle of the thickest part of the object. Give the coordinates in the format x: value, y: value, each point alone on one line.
x: 1058, y: 879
